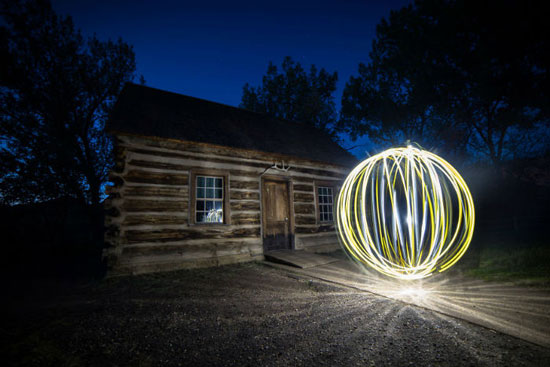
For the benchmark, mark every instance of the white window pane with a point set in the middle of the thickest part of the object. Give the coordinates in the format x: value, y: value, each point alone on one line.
x: 209, y: 203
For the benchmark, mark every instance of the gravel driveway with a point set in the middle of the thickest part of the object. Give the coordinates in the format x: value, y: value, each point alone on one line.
x: 239, y: 315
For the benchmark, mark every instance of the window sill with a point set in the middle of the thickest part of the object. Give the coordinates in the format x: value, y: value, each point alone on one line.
x: 209, y: 224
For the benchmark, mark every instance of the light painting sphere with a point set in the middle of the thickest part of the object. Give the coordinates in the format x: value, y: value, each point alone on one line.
x: 406, y: 213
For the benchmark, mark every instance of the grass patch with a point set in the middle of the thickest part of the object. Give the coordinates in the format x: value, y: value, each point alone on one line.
x: 526, y: 266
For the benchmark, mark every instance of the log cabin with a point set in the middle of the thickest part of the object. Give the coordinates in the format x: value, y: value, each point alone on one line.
x: 197, y: 183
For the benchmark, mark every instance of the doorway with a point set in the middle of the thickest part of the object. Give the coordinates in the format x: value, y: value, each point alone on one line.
x: 276, y: 214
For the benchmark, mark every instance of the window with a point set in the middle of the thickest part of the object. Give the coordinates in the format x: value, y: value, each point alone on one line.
x: 209, y: 199
x: 324, y: 195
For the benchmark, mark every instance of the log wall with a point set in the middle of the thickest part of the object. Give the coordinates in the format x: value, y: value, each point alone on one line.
x: 148, y: 223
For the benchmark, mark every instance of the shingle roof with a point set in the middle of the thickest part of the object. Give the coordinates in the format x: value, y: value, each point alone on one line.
x: 153, y: 112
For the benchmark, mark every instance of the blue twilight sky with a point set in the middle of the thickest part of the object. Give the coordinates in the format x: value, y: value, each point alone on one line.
x: 210, y: 49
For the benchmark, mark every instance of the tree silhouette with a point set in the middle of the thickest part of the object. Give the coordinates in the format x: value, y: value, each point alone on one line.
x: 56, y: 89
x: 456, y: 75
x: 295, y: 94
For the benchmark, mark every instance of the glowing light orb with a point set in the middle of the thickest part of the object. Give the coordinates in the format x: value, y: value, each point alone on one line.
x: 406, y: 213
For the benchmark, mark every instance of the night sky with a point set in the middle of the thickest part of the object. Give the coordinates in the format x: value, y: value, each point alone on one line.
x: 210, y: 49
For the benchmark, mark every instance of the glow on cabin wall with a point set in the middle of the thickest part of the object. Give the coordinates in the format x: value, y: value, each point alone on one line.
x: 406, y: 213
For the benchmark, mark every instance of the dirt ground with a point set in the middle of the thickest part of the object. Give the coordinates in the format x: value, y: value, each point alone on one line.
x: 238, y: 315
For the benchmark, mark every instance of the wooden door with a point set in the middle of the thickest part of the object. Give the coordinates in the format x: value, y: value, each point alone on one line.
x: 276, y: 216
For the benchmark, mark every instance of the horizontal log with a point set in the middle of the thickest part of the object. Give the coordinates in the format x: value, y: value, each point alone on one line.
x: 174, y: 166
x: 168, y: 178
x: 305, y: 220
x: 207, y: 249
x: 156, y: 178
x: 244, y: 195
x: 210, y: 149
x: 302, y: 197
x: 181, y: 167
x: 303, y: 179
x: 158, y: 165
x: 131, y: 205
x: 319, y: 171
x: 301, y: 187
x: 250, y: 185
x: 323, y: 228
x: 245, y: 218
x: 185, y: 251
x: 180, y: 192
x: 168, y: 235
x: 304, y: 208
x: 127, y: 268
x: 131, y: 220
x: 243, y: 173
x: 231, y: 248
x: 183, y: 156
x: 224, y: 152
x: 234, y: 259
x: 245, y: 205
x: 321, y: 238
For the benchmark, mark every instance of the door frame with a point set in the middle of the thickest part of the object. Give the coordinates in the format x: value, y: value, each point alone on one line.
x: 290, y: 191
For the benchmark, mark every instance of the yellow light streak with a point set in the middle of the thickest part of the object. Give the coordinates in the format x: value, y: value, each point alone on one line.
x: 406, y: 213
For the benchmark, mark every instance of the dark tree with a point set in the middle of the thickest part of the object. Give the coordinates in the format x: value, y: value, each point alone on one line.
x: 56, y: 89
x: 294, y: 94
x: 456, y: 75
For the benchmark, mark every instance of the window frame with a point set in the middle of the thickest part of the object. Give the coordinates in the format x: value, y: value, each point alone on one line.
x: 193, y: 196
x: 329, y: 184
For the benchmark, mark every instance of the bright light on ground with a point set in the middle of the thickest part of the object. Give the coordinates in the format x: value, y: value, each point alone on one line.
x: 413, y: 292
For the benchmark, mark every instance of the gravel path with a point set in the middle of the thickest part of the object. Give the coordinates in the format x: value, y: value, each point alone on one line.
x: 240, y: 315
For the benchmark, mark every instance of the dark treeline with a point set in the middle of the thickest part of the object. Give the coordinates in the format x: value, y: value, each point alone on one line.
x: 56, y: 90
x: 470, y: 79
